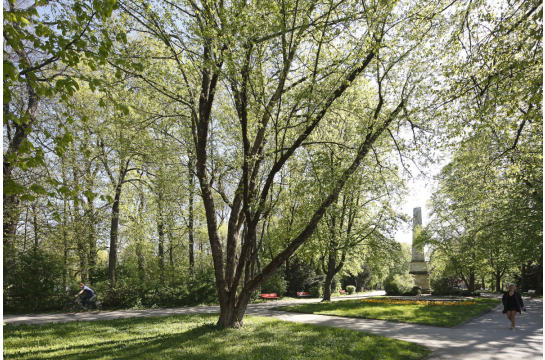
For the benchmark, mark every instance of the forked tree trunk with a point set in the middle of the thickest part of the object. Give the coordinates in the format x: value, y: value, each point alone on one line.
x: 498, y: 276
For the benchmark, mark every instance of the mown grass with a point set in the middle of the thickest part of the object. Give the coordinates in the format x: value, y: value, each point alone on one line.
x: 197, y: 337
x: 435, y: 315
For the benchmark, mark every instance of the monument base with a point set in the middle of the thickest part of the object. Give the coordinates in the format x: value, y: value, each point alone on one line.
x: 419, y: 269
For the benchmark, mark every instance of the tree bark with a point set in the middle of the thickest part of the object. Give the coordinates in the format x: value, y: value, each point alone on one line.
x: 112, y: 264
x: 190, y: 225
x: 35, y: 225
x: 161, y: 233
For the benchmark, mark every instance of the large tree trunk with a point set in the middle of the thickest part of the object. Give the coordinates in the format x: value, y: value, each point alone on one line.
x: 498, y: 275
x: 327, y: 287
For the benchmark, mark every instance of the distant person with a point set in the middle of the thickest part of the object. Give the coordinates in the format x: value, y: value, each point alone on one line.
x: 512, y: 303
x: 88, y: 294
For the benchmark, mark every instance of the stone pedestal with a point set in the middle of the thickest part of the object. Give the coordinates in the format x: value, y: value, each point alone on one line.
x: 419, y: 265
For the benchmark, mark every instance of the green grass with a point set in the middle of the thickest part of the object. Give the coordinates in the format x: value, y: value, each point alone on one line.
x: 435, y: 315
x: 197, y: 337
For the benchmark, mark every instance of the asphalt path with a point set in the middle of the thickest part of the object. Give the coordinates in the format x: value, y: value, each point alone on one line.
x: 484, y: 337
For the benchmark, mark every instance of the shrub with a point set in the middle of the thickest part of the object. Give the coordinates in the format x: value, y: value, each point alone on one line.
x: 275, y: 284
x: 398, y: 284
x: 350, y: 289
x: 316, y: 291
x: 34, y: 283
x: 335, y: 287
x: 443, y: 286
x: 302, y: 277
x: 415, y: 291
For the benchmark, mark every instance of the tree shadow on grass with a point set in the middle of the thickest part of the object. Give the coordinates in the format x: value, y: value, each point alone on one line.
x: 261, y: 338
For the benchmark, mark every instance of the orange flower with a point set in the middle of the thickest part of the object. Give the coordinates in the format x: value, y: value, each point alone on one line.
x: 416, y: 302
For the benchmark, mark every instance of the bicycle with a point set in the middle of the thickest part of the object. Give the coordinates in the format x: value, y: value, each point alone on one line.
x: 73, y: 307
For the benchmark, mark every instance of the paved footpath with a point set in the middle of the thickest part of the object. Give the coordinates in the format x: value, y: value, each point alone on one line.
x: 485, y: 337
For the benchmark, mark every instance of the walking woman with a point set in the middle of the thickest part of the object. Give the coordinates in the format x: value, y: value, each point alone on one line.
x: 512, y: 303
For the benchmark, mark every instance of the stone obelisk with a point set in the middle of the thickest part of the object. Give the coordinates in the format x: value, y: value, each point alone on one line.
x: 419, y: 265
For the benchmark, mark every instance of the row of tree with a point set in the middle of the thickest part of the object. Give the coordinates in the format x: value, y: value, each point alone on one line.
x: 163, y: 140
x: 487, y: 211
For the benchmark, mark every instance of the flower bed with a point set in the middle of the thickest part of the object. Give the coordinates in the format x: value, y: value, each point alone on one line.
x: 416, y: 302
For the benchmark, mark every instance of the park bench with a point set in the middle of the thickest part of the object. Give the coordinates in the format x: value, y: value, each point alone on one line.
x: 343, y: 291
x: 531, y: 291
x: 302, y: 294
x: 269, y: 297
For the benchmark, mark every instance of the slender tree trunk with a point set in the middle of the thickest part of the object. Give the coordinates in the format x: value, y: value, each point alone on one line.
x: 65, y: 243
x: 35, y: 224
x: 114, y: 227
x: 160, y: 230
x: 170, y: 250
x: 190, y: 224
x: 540, y: 277
x: 493, y: 286
x: 91, y: 238
x: 523, y: 278
x: 26, y: 230
x: 139, y: 243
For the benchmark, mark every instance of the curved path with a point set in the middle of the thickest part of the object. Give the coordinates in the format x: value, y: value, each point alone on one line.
x: 485, y: 337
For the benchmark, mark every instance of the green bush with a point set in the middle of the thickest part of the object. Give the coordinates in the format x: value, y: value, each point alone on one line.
x: 275, y: 284
x: 442, y: 286
x: 34, y: 283
x: 335, y: 287
x: 350, y: 289
x: 416, y: 290
x: 316, y: 291
x: 398, y: 284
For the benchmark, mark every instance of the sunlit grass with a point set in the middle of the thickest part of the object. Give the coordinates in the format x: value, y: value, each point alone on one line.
x: 436, y: 315
x: 197, y: 337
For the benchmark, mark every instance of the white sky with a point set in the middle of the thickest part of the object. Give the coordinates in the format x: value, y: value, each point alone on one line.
x: 420, y: 191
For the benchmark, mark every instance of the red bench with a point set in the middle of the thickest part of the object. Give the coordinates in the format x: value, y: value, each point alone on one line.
x: 343, y: 291
x: 302, y: 294
x: 269, y: 297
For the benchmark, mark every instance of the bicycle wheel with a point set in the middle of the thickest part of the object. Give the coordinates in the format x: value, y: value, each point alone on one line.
x: 70, y: 308
x: 96, y: 307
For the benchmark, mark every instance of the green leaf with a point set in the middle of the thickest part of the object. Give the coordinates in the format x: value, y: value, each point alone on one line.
x: 38, y: 189
x: 27, y: 197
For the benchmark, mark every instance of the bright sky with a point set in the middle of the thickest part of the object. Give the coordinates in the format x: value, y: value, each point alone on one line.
x: 419, y: 193
x: 420, y: 190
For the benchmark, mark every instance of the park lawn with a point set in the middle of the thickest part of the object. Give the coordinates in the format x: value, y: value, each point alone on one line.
x: 197, y: 337
x: 435, y: 315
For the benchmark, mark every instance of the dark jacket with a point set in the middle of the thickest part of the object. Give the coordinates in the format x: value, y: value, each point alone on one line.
x: 518, y: 300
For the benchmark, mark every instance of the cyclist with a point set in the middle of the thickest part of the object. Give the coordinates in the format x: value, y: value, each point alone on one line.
x: 89, y: 293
